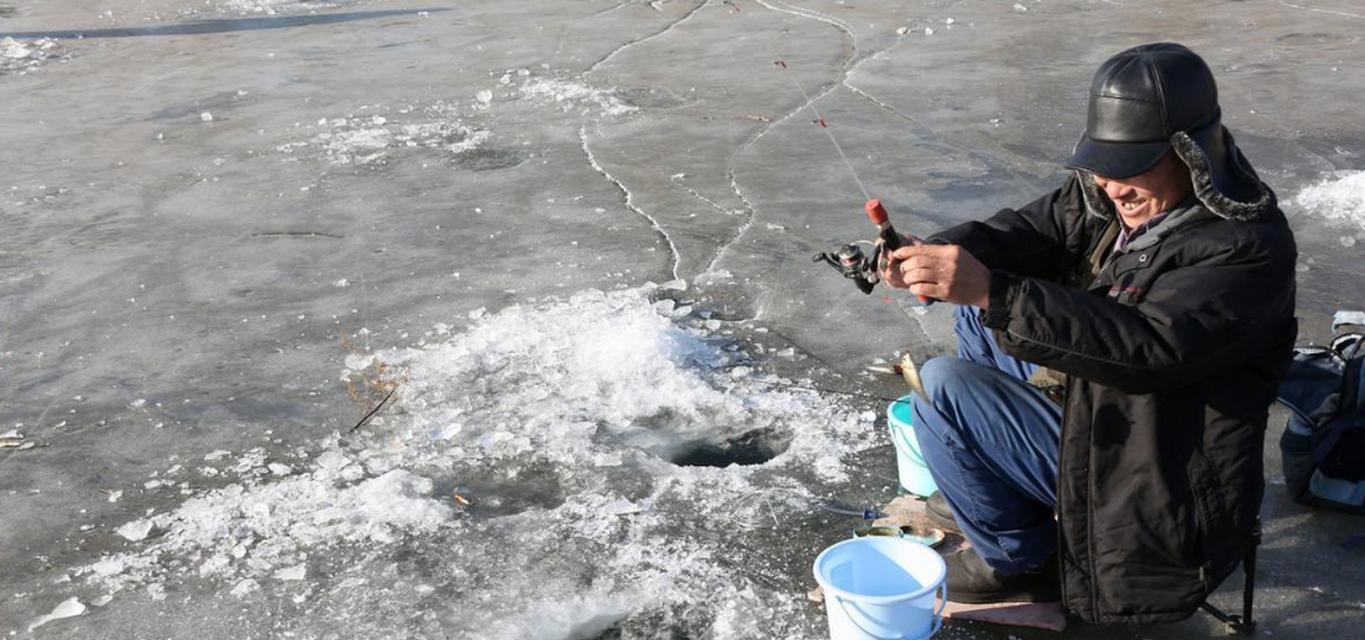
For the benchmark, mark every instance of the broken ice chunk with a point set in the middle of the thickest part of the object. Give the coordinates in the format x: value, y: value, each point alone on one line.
x: 294, y: 573
x: 244, y: 587
x: 136, y: 530
x: 69, y: 608
x: 332, y: 461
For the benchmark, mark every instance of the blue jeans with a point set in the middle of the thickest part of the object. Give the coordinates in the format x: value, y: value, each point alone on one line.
x: 990, y: 440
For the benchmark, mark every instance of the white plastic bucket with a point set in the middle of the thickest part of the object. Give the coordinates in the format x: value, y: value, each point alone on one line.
x: 882, y: 588
x: 910, y: 466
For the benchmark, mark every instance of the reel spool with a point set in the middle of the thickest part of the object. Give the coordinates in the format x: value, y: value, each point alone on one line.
x: 850, y: 261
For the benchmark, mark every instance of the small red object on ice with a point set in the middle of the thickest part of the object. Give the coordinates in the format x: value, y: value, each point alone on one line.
x: 822, y: 123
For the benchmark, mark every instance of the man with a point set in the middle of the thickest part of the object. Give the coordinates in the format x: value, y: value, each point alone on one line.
x: 1156, y: 288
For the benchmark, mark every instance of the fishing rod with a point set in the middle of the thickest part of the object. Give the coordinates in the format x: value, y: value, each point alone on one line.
x: 850, y: 260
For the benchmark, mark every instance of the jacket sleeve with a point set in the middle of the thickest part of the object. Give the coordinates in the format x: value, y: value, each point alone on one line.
x: 1192, y: 321
x: 1029, y: 241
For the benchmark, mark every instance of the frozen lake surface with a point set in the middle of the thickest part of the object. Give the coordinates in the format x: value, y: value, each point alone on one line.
x: 569, y: 243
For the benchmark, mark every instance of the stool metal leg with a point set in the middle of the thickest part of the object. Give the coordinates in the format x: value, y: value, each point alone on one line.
x: 1244, y: 624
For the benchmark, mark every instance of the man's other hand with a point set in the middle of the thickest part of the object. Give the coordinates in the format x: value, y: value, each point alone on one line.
x: 940, y: 271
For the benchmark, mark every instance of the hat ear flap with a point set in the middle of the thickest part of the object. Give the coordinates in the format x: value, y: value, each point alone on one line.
x: 1205, y: 187
x: 1096, y: 202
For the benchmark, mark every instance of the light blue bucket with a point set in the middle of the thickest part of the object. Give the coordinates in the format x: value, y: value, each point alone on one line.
x: 910, y: 465
x: 882, y: 588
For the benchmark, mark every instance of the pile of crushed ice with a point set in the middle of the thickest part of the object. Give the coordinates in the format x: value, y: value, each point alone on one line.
x: 1340, y: 198
x: 529, y: 471
x: 576, y: 96
x: 274, y: 7
x: 373, y: 134
x: 370, y: 136
x: 19, y: 57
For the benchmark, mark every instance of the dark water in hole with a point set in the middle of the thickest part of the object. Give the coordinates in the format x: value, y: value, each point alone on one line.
x: 748, y: 448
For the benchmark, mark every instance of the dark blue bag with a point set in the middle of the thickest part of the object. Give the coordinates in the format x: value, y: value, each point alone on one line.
x: 1323, y: 445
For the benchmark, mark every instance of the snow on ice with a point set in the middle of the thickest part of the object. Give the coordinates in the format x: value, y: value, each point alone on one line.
x: 1340, y: 198
x: 20, y: 57
x: 369, y: 137
x: 570, y: 95
x: 556, y: 430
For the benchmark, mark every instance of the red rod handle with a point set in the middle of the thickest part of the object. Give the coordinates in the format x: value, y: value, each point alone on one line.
x: 876, y: 212
x: 890, y: 239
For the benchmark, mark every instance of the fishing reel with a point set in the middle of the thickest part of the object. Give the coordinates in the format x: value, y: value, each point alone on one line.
x: 850, y: 261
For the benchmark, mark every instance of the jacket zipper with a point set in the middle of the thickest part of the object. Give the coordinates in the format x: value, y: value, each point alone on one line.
x: 1061, y: 528
x: 1089, y: 477
x: 1090, y: 520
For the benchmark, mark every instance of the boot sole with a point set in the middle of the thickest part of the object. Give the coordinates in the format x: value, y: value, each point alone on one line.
x: 1016, y: 596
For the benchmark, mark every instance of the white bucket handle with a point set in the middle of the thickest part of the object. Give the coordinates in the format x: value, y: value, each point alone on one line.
x: 942, y: 595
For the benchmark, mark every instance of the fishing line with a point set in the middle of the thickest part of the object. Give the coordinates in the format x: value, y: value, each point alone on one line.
x: 819, y: 119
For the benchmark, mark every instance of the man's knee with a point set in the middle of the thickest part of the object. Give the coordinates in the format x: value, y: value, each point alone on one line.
x: 945, y: 377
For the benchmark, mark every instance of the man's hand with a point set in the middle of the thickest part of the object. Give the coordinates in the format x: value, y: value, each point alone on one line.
x: 940, y: 271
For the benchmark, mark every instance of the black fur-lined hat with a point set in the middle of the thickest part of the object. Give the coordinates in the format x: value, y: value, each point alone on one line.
x: 1152, y: 99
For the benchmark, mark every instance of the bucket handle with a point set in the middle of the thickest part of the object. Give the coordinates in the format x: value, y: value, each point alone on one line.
x: 941, y: 593
x: 900, y: 439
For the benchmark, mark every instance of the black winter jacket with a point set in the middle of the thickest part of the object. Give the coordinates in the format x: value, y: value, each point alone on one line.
x: 1173, y: 351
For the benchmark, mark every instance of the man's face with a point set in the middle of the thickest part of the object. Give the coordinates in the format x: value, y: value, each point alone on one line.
x: 1143, y: 196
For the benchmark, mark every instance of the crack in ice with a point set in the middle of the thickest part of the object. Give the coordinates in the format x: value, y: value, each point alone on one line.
x: 811, y: 14
x: 984, y: 157
x: 629, y: 198
x: 847, y: 68
x: 1300, y: 7
x: 611, y: 54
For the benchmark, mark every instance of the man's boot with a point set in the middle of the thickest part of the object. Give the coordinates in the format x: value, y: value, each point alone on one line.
x: 937, y: 509
x: 971, y: 580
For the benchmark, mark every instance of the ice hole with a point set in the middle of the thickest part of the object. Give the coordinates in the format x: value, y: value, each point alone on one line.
x: 749, y: 448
